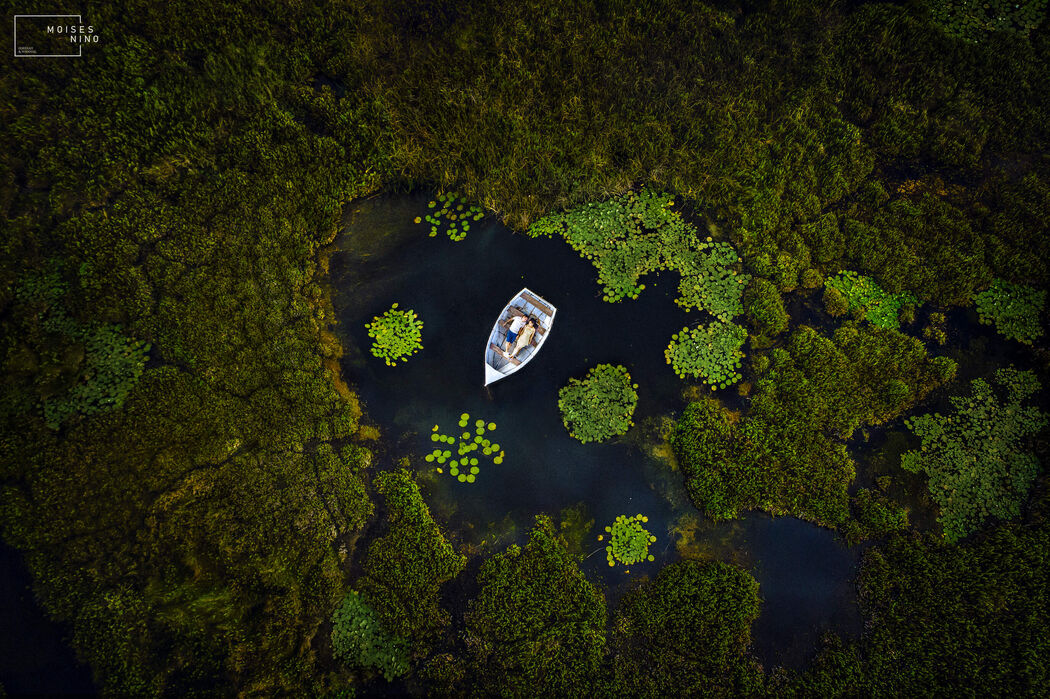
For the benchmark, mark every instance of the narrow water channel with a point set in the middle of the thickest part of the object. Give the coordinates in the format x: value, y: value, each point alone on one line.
x: 458, y: 288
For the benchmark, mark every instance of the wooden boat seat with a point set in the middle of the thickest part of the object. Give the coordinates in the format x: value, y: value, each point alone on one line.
x: 538, y: 304
x: 512, y: 360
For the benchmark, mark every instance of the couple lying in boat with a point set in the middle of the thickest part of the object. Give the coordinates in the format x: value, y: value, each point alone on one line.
x: 520, y: 331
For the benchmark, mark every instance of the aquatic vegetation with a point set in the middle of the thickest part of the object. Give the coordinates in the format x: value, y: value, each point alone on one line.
x: 628, y: 540
x: 600, y: 405
x: 463, y: 467
x: 874, y: 515
x: 970, y: 607
x: 765, y: 308
x: 537, y: 626
x: 936, y: 330
x: 359, y: 639
x: 1014, y: 310
x: 397, y: 334
x: 98, y: 366
x: 631, y: 235
x: 406, y: 567
x: 452, y: 214
x: 787, y: 454
x: 687, y: 633
x: 190, y: 537
x: 865, y: 296
x: 975, y: 458
x: 710, y: 352
x: 971, y: 20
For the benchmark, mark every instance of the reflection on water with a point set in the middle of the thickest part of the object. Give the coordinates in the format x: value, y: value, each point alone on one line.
x: 458, y: 289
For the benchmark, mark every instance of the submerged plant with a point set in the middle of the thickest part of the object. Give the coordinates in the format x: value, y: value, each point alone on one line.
x: 600, y: 405
x: 396, y: 335
x: 975, y: 457
x: 359, y: 638
x: 863, y: 294
x: 628, y: 541
x: 710, y: 352
x: 452, y: 213
x: 465, y: 466
x: 1013, y: 309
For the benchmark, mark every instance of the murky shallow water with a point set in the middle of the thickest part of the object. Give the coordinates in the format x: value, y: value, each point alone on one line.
x: 805, y: 573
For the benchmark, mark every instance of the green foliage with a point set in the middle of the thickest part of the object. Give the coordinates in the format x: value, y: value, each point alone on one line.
x: 456, y: 217
x: 863, y: 294
x: 628, y: 540
x: 712, y: 352
x: 1013, y: 309
x: 406, y: 567
x: 687, y: 632
x: 396, y: 335
x: 975, y: 458
x: 82, y: 367
x: 537, y: 626
x: 786, y: 455
x: 875, y: 515
x: 965, y: 620
x: 971, y: 20
x: 600, y: 405
x: 634, y: 234
x: 764, y: 308
x: 834, y: 302
x: 359, y: 639
x: 935, y: 329
x: 465, y: 468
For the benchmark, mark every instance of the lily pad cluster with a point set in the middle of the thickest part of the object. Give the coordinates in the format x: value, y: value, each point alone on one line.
x: 396, y: 335
x: 600, y: 405
x: 971, y: 20
x: 1013, y: 309
x: 628, y: 540
x: 465, y: 467
x: 110, y: 363
x: 862, y: 293
x: 637, y: 233
x: 359, y: 638
x: 975, y: 457
x: 710, y: 352
x: 453, y: 214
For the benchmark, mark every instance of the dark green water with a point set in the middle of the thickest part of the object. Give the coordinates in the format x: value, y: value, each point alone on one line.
x: 458, y: 289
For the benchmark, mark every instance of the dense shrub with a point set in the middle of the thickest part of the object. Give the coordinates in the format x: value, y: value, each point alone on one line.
x: 537, y: 626
x: 765, y: 308
x: 687, y: 633
x: 600, y: 405
x: 874, y: 515
x: 957, y: 620
x: 406, y: 567
x: 785, y: 455
x: 976, y: 459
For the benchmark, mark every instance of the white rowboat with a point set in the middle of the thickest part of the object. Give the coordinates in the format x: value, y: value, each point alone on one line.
x: 524, y: 303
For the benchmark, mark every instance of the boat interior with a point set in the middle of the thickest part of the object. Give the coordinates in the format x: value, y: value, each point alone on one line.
x: 523, y: 305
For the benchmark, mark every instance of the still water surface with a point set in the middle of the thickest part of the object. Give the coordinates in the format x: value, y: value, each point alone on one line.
x: 458, y: 289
